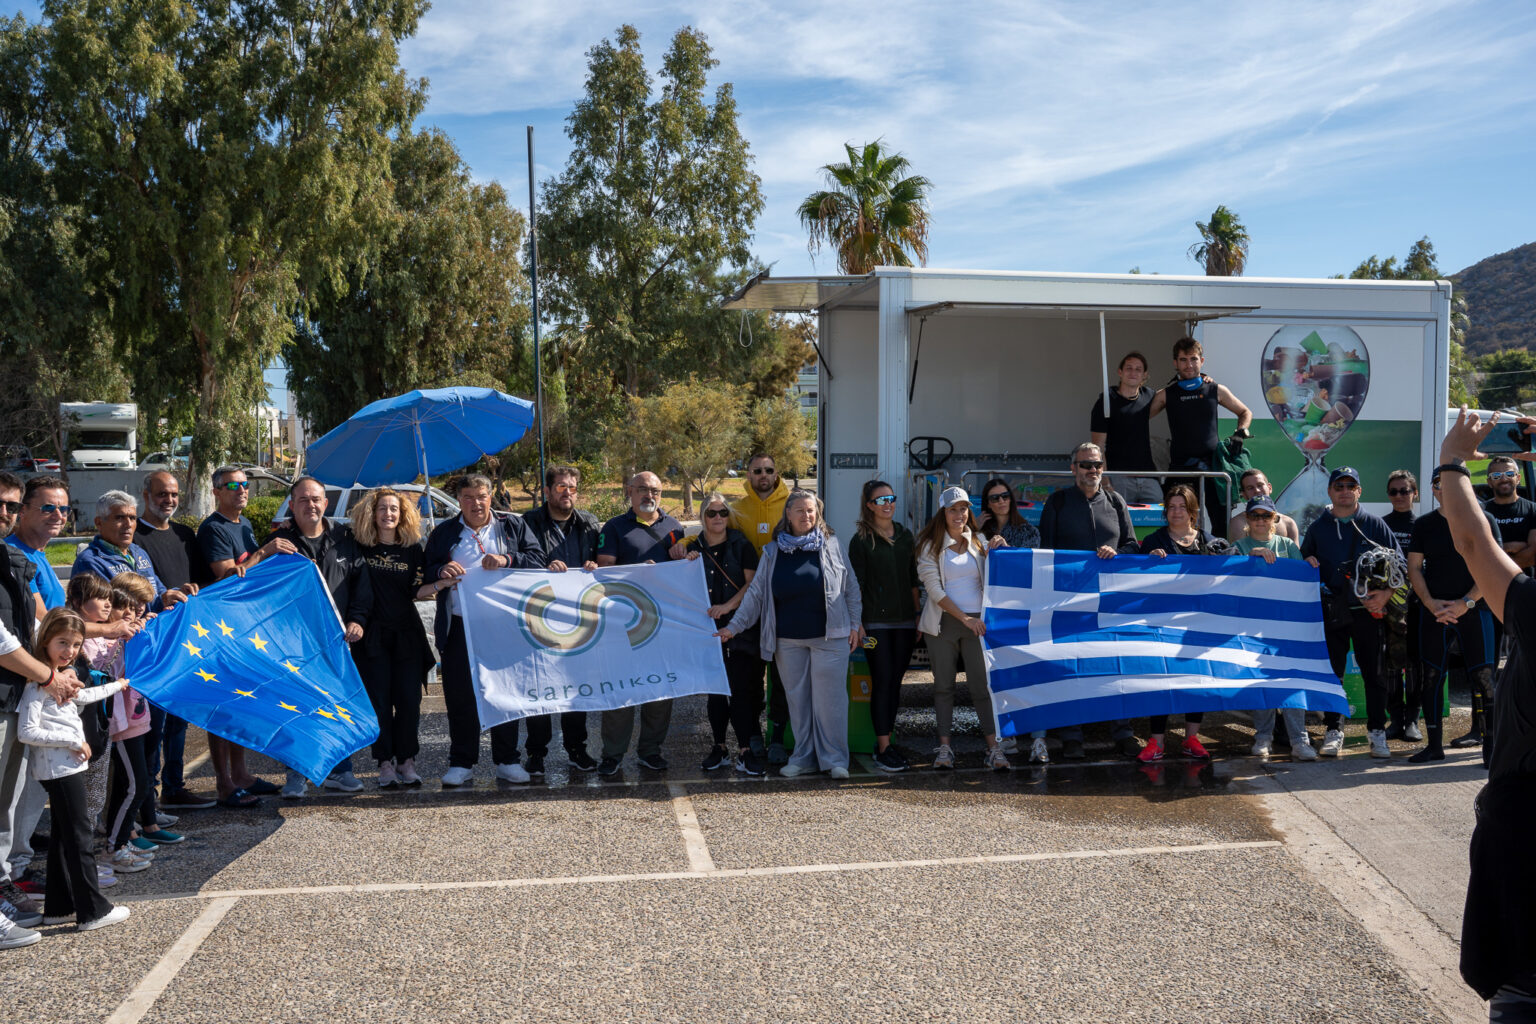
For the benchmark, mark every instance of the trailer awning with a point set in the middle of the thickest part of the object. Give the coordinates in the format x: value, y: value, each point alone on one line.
x: 1072, y: 311
x: 790, y: 294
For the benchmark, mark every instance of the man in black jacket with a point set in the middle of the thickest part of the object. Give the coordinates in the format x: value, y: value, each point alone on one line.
x: 567, y: 536
x: 479, y: 540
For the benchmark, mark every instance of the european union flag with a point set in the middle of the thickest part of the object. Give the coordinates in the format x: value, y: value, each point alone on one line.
x: 263, y: 662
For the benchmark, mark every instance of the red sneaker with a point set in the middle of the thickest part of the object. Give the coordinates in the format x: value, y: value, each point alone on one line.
x: 32, y: 888
x: 1192, y: 748
x: 1153, y: 751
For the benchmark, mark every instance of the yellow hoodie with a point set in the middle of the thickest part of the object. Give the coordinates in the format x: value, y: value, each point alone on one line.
x: 756, y: 517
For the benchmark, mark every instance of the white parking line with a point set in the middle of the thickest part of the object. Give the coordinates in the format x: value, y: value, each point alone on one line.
x: 159, y: 978
x: 713, y: 873
x: 693, y: 837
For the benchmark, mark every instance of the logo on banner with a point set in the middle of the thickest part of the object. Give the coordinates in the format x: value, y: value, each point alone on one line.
x: 644, y: 617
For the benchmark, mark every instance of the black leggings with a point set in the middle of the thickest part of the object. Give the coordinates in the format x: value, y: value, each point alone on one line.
x: 1364, y: 632
x: 72, y: 887
x: 744, y: 673
x: 888, y: 661
x: 129, y: 792
x: 393, y: 675
x: 1158, y: 724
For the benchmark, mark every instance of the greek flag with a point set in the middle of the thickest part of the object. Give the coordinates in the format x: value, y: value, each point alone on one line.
x: 1074, y: 638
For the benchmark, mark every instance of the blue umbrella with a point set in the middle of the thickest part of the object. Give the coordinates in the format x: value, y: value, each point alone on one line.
x: 394, y: 440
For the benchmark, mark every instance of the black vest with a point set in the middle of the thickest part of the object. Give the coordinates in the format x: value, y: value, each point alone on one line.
x: 17, y: 610
x: 1191, y: 423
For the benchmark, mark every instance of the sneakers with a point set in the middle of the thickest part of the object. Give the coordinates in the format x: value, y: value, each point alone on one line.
x: 142, y: 847
x: 1153, y: 751
x: 581, y: 760
x: 106, y: 878
x: 1333, y: 743
x: 890, y: 760
x: 609, y: 766
x: 534, y: 766
x: 653, y: 762
x: 185, y: 800
x: 14, y: 914
x: 165, y: 820
x: 1379, y: 743
x: 789, y: 771
x: 1194, y: 748
x: 11, y: 894
x: 1302, y: 750
x: 30, y: 885
x: 388, y: 778
x: 752, y: 763
x: 294, y: 788
x: 1039, y: 753
x: 125, y: 863
x: 344, y: 782
x: 407, y: 772
x: 163, y: 837
x: 1412, y: 734
x: 943, y: 758
x: 513, y: 772
x: 1261, y: 748
x: 14, y: 936
x: 1010, y: 744
x: 777, y: 755
x: 716, y: 758
x: 455, y: 777
x: 838, y: 772
x: 997, y: 760
x: 117, y: 915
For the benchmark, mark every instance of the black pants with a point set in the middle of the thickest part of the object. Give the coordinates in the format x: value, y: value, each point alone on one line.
x: 541, y: 730
x: 464, y: 713
x: 129, y: 791
x: 744, y: 674
x: 72, y: 885
x: 1364, y: 631
x: 778, y: 709
x: 1401, y: 670
x: 888, y: 661
x: 393, y: 674
x: 1158, y: 724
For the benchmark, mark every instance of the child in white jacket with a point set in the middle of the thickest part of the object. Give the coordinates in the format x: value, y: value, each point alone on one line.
x: 57, y: 757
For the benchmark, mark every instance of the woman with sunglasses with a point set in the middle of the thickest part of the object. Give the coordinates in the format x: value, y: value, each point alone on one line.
x: 883, y: 558
x: 730, y: 562
x: 951, y: 559
x: 1003, y: 526
x: 1179, y: 536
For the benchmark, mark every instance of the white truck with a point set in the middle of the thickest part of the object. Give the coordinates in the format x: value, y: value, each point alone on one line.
x: 100, y: 435
x: 929, y: 377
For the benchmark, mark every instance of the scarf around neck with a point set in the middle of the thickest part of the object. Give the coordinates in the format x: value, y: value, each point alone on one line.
x: 809, y: 542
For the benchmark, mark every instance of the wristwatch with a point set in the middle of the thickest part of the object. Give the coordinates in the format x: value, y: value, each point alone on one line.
x: 1471, y: 604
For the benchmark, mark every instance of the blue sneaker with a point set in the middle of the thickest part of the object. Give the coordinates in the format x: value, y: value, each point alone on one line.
x: 163, y: 837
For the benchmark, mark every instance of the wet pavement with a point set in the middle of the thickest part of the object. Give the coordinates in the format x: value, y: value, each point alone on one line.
x: 1231, y: 890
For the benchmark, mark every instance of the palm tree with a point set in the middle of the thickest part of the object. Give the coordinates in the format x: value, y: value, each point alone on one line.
x: 870, y: 213
x: 1223, y: 247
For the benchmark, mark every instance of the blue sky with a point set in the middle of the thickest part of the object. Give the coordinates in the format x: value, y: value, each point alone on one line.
x: 1073, y: 136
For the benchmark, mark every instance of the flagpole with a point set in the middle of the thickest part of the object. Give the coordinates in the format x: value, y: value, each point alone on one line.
x: 533, y: 260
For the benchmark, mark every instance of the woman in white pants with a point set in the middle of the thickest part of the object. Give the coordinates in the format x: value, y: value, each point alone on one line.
x: 807, y: 603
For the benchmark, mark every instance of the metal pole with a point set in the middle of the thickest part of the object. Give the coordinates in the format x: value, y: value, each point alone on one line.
x: 1104, y: 360
x: 533, y: 260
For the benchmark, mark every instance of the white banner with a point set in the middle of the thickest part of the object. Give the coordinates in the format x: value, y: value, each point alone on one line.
x: 546, y: 642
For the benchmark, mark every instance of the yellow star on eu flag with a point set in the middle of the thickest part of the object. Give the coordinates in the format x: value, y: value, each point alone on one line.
x: 245, y: 693
x: 192, y: 649
x: 343, y: 713
x: 226, y: 630
x: 286, y: 707
x: 290, y: 666
x: 208, y: 677
x: 201, y: 632
x: 261, y: 645
x: 327, y: 714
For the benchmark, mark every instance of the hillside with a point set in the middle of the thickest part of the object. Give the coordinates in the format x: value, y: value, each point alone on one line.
x: 1501, y: 300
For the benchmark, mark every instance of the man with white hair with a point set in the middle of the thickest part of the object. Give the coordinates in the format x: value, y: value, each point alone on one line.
x: 112, y: 550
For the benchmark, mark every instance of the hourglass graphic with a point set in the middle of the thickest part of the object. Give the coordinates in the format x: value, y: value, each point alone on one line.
x: 1314, y: 381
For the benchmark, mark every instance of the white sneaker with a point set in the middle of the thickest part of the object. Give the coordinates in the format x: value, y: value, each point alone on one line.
x: 943, y: 757
x: 1260, y: 748
x: 165, y: 820
x: 346, y: 782
x: 997, y: 760
x: 1010, y: 744
x: 454, y: 777
x: 838, y: 773
x: 789, y: 771
x: 1333, y: 743
x: 1302, y: 750
x: 513, y: 773
x: 1379, y: 743
x: 106, y: 881
x: 1039, y: 753
x: 14, y: 936
x: 125, y: 863
x: 116, y: 915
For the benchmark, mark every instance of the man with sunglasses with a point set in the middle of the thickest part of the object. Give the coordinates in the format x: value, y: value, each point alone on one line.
x: 755, y: 514
x: 1400, y: 658
x: 1515, y: 515
x: 567, y: 536
x: 1086, y: 517
x: 1333, y: 544
x: 226, y: 538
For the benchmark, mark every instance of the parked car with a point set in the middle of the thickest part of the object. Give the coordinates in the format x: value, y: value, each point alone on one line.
x: 163, y: 460
x: 18, y: 458
x: 434, y: 507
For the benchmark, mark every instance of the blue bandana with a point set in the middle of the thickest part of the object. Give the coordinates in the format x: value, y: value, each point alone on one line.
x: 1190, y: 385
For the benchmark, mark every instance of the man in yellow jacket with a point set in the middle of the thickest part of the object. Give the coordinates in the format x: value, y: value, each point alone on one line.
x: 757, y: 512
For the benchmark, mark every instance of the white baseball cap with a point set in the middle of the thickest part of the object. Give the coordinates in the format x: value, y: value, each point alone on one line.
x: 953, y: 496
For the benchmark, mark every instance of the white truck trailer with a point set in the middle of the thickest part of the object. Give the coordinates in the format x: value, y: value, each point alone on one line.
x: 100, y: 435
x: 930, y: 377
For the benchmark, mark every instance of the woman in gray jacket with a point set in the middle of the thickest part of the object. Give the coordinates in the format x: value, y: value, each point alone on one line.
x: 808, y: 639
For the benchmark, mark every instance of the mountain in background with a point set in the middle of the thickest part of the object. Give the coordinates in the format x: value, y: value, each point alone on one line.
x: 1501, y: 300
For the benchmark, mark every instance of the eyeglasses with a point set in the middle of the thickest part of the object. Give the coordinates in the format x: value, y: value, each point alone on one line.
x: 1345, y: 485
x: 998, y: 496
x: 1508, y: 474
x: 647, y: 490
x: 1261, y: 515
x: 567, y: 488
x: 764, y: 472
x: 13, y: 507
x: 717, y: 513
x: 54, y: 510
x: 1093, y: 464
x: 884, y: 499
x: 1403, y: 492
x: 236, y: 485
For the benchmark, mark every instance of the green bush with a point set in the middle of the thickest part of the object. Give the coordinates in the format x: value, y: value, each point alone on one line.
x: 260, y: 512
x: 605, y: 504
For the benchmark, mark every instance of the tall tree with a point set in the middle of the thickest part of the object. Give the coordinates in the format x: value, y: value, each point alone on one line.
x: 444, y: 297
x: 693, y: 430
x: 656, y: 201
x: 1508, y: 379
x: 872, y: 212
x: 1223, y: 245
x: 227, y: 158
x: 1420, y: 265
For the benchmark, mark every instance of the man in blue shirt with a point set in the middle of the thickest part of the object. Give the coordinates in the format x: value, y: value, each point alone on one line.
x: 44, y: 511
x: 113, y: 551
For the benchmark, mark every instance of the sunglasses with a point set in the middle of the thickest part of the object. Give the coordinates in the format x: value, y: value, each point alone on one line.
x: 717, y: 513
x: 51, y: 510
x: 884, y: 499
x: 236, y: 485
x: 1508, y: 474
x: 1401, y: 492
x: 763, y: 472
x: 998, y: 496
x: 13, y: 507
x: 1094, y: 464
x: 1345, y: 485
x: 1261, y: 515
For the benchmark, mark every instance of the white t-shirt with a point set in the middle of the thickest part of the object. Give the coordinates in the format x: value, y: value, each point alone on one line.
x: 8, y: 641
x: 472, y: 546
x: 962, y: 579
